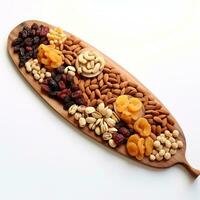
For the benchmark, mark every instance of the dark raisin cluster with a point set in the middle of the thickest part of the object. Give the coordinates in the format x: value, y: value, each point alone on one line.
x: 28, y: 40
x: 123, y: 133
x: 61, y: 87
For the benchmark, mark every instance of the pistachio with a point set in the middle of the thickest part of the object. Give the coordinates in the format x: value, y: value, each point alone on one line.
x: 99, y: 121
x: 115, y: 117
x: 111, y: 122
x: 82, y: 122
x: 81, y: 108
x: 112, y: 130
x: 96, y: 115
x: 112, y: 143
x: 103, y: 128
x: 77, y: 116
x: 100, y: 107
x: 90, y: 120
x: 97, y: 130
x: 72, y: 110
x: 109, y: 113
x: 107, y: 136
x: 104, y: 111
x: 90, y: 126
x: 89, y: 110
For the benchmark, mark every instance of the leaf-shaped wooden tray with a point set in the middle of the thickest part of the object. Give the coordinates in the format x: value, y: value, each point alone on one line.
x: 178, y: 158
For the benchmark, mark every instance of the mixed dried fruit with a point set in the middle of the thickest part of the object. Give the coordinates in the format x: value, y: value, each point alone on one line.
x: 96, y: 95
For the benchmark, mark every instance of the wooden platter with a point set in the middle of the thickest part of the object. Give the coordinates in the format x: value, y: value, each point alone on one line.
x: 178, y: 158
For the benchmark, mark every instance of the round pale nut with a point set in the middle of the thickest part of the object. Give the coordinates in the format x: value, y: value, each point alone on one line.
x: 152, y: 157
x: 82, y: 122
x: 180, y: 144
x: 107, y: 136
x: 167, y: 156
x: 36, y: 76
x: 175, y: 133
x: 47, y: 74
x: 112, y: 143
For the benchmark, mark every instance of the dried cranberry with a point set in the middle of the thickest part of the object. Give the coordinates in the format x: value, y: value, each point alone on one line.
x: 67, y: 91
x: 74, y: 87
x: 61, y: 85
x: 46, y: 42
x: 61, y: 95
x: 29, y: 48
x: 124, y: 131
x: 69, y: 77
x: 45, y: 88
x: 77, y: 94
x: 17, y: 41
x: 44, y: 30
x: 118, y: 138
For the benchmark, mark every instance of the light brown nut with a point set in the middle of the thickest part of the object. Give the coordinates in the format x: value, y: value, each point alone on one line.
x: 76, y: 81
x: 139, y: 95
x: 111, y: 100
x: 157, y: 119
x: 123, y: 84
x: 123, y: 91
x: 150, y: 107
x: 87, y: 82
x: 118, y: 79
x: 101, y: 83
x: 158, y: 130
x: 170, y: 120
x: 158, y: 106
x: 164, y: 122
x: 116, y: 91
x: 153, y: 112
x: 94, y: 81
x: 106, y: 70
x: 109, y: 95
x: 98, y: 93
x: 152, y: 103
x: 69, y: 57
x: 88, y: 91
x: 140, y: 89
x: 163, y: 111
x: 94, y: 87
x: 116, y: 86
x: 99, y: 101
x: 131, y: 90
x: 100, y: 76
x: 93, y: 102
x: 115, y: 71
x: 105, y: 78
x: 110, y: 85
x: 112, y: 80
x: 151, y: 121
x: 85, y: 96
x: 104, y: 87
x: 170, y: 127
x: 162, y: 116
x: 67, y: 61
x: 81, y: 85
x: 153, y: 128
x: 105, y: 91
x: 113, y: 75
x: 110, y: 106
x: 92, y: 96
x: 148, y: 116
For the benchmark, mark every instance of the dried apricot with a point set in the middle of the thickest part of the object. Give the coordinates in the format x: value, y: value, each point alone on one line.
x: 137, y: 115
x: 134, y: 105
x: 143, y: 127
x: 122, y: 103
x: 49, y: 56
x: 133, y: 138
x: 126, y: 116
x: 132, y: 149
x: 148, y: 146
x: 141, y: 146
x: 139, y: 156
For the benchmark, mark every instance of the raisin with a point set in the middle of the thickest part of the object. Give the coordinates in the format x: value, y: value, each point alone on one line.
x: 24, y: 33
x: 80, y: 101
x: 16, y: 48
x: 45, y: 88
x: 58, y: 77
x: 36, y: 40
x: 67, y: 99
x: 34, y: 26
x: 67, y: 105
x: 118, y: 138
x: 53, y: 85
x: 74, y: 87
x: 29, y: 48
x: 22, y: 51
x: 28, y: 41
x: 124, y: 131
x: 17, y: 41
x: 60, y: 70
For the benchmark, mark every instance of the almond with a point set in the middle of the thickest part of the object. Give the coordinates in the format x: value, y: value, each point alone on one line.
x: 112, y: 80
x: 148, y: 116
x: 157, y: 119
x: 109, y: 84
x: 106, y: 70
x: 123, y: 78
x: 109, y: 95
x: 116, y: 91
x: 139, y: 95
x: 76, y: 82
x: 116, y: 86
x: 94, y: 81
x: 105, y: 78
x: 113, y: 75
x: 118, y: 79
x: 94, y: 86
x: 115, y: 71
x: 93, y: 102
x: 111, y: 100
x: 81, y: 85
x: 170, y: 120
x: 132, y: 84
x: 123, y: 84
x: 88, y: 91
x: 101, y: 83
x: 123, y: 91
x: 92, y: 96
x: 105, y: 91
x: 100, y: 76
x: 87, y: 83
x: 158, y: 130
x: 98, y: 93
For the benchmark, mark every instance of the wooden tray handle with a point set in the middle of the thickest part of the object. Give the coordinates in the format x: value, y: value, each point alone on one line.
x: 194, y: 172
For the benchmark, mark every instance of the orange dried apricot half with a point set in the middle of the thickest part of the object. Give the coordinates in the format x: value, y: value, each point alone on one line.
x: 141, y: 146
x: 122, y: 103
x: 132, y: 149
x: 148, y: 146
x: 142, y: 127
x: 134, y: 105
x: 133, y: 138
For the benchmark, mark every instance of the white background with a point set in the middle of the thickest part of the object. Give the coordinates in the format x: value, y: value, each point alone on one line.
x: 43, y: 158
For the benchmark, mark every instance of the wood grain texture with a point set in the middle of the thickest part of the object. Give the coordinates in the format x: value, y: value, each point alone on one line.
x: 179, y: 158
